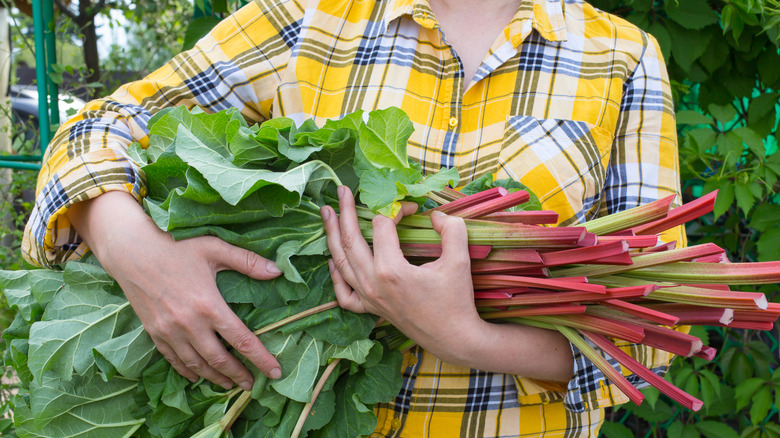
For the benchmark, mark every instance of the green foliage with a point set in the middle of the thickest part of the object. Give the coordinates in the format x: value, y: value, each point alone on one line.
x: 724, y: 66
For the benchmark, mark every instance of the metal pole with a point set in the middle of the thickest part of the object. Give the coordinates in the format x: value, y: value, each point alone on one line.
x: 18, y: 165
x: 41, y: 74
x: 51, y: 59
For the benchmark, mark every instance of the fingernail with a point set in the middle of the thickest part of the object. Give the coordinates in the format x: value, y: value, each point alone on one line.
x: 246, y: 386
x: 340, y: 191
x: 227, y: 385
x: 272, y: 268
x: 437, y: 213
x: 275, y: 373
x: 325, y: 212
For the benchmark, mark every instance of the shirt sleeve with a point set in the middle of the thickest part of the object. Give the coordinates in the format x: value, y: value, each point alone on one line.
x: 236, y: 65
x: 644, y: 167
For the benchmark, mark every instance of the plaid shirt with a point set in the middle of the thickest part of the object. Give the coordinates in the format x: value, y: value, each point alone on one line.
x: 571, y: 101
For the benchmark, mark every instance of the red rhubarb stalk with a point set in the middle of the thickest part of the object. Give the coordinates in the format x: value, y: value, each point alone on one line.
x: 531, y: 311
x: 680, y: 215
x: 695, y: 315
x: 612, y: 374
x: 640, y: 370
x: 584, y: 255
x: 649, y: 260
x: 434, y: 251
x: 498, y: 280
x: 633, y: 241
x: 493, y: 205
x: 532, y: 217
x: 469, y: 201
x: 642, y: 312
x: 522, y: 255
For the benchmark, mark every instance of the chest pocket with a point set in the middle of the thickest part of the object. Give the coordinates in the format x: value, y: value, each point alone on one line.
x: 564, y: 162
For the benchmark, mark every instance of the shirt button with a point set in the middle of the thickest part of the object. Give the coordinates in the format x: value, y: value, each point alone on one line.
x: 142, y: 192
x: 453, y: 122
x: 396, y: 424
x: 412, y: 360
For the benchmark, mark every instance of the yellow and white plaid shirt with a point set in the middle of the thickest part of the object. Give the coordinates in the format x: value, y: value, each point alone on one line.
x: 571, y: 101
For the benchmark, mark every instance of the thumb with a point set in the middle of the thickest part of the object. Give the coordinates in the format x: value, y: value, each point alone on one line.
x: 230, y: 257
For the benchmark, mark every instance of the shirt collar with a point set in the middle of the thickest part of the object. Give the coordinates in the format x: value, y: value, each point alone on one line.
x: 546, y: 16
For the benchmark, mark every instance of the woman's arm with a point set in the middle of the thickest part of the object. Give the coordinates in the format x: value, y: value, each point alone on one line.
x: 171, y: 286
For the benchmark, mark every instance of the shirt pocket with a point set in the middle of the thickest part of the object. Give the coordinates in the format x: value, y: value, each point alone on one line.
x: 564, y: 162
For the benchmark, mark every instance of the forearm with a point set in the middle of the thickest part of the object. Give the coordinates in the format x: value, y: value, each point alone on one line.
x: 513, y: 349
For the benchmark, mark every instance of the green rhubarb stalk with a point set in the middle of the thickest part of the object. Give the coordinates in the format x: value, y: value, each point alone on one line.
x: 235, y: 410
x: 674, y: 293
x: 728, y: 273
x: 630, y: 218
x: 612, y: 374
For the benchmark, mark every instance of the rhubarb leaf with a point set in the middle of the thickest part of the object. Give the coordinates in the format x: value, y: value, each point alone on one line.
x: 300, y: 370
x: 383, y: 139
x: 84, y: 407
x: 127, y: 354
x: 66, y: 345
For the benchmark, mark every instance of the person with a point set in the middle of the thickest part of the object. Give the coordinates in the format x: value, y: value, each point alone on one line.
x: 569, y: 100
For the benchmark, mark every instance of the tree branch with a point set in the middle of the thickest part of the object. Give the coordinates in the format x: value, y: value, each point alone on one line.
x: 64, y: 9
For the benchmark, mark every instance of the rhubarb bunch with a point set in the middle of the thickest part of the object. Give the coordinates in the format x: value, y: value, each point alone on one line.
x: 608, y: 280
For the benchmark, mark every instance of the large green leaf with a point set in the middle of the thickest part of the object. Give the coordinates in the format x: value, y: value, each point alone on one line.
x: 84, y: 407
x: 66, y: 345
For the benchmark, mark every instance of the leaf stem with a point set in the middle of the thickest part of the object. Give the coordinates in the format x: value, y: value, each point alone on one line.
x: 297, y: 316
x: 306, y: 409
x: 238, y: 407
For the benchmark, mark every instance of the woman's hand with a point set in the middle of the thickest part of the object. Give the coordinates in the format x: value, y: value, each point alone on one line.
x: 433, y: 304
x: 172, y: 287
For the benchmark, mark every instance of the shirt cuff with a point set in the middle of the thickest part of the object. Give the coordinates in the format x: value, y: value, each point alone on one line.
x: 49, y: 239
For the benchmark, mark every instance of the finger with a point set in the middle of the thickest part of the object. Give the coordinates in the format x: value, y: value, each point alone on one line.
x: 174, y: 360
x: 198, y: 365
x: 333, y: 232
x: 230, y: 257
x: 407, y: 208
x: 387, y: 248
x: 247, y: 344
x: 346, y: 296
x: 355, y: 246
x: 454, y: 238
